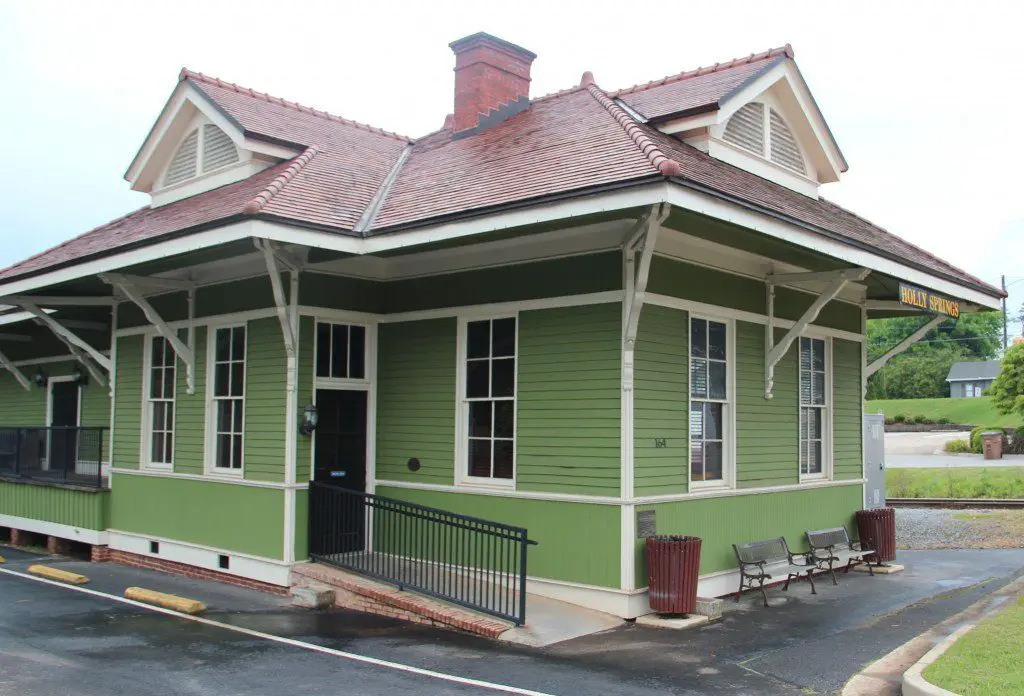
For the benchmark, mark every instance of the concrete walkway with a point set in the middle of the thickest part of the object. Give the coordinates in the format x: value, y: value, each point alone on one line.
x: 56, y: 640
x: 927, y: 451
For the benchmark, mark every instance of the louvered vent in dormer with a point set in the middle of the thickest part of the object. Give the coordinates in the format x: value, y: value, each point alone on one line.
x: 746, y: 128
x: 218, y: 150
x: 784, y: 149
x: 183, y: 164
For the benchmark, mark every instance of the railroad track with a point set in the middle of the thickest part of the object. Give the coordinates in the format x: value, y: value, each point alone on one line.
x: 959, y: 503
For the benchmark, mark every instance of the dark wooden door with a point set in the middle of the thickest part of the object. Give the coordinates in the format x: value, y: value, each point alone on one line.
x: 63, y: 421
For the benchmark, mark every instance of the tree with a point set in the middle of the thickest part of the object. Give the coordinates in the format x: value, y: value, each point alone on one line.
x: 1007, y: 391
x: 920, y: 372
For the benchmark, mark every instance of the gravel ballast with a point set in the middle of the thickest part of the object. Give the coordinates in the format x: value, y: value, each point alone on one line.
x: 959, y: 529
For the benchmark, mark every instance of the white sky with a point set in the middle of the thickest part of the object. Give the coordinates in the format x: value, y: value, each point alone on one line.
x: 915, y: 93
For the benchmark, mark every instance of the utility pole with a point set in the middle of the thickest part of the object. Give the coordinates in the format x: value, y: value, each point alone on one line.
x: 1006, y: 341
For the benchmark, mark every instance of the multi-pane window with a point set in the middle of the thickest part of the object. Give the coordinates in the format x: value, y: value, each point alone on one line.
x: 228, y: 396
x: 340, y: 351
x: 709, y: 399
x: 160, y: 402
x: 813, y: 406
x: 490, y: 398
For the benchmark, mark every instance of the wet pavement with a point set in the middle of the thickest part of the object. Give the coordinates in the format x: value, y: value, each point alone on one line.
x: 56, y: 640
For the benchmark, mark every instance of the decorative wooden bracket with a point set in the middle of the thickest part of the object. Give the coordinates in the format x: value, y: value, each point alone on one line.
x: 18, y: 374
x: 903, y: 345
x: 774, y: 352
x: 277, y: 260
x: 80, y: 348
x: 642, y: 240
x: 129, y: 286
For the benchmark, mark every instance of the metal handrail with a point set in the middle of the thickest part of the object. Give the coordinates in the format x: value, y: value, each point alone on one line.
x: 469, y: 561
x: 70, y: 455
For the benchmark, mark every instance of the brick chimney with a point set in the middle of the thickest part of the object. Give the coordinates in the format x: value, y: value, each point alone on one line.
x: 492, y: 82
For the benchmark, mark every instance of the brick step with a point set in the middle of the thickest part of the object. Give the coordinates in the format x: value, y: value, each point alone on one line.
x: 352, y: 591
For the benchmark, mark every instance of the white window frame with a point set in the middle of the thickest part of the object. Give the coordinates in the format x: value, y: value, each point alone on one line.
x: 728, y: 479
x: 210, y: 449
x: 826, y: 416
x: 462, y: 476
x: 146, y: 448
x: 342, y: 382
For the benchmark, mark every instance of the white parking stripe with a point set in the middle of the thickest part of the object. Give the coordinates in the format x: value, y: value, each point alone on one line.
x: 291, y: 641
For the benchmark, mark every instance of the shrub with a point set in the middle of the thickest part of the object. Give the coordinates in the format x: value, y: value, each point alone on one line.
x: 910, y: 420
x: 943, y: 421
x: 923, y: 420
x: 958, y: 446
x: 899, y: 418
x: 889, y: 421
x: 976, y: 437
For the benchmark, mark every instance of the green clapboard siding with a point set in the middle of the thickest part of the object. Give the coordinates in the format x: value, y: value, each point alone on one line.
x: 75, y: 508
x: 190, y: 415
x: 265, y: 401
x: 304, y: 444
x: 576, y: 542
x: 721, y: 522
x: 701, y: 284
x: 552, y: 278
x: 767, y: 434
x: 19, y: 407
x: 243, y: 519
x: 568, y: 400
x: 660, y: 402
x: 847, y: 409
x: 128, y: 402
x: 301, y: 525
x: 416, y: 400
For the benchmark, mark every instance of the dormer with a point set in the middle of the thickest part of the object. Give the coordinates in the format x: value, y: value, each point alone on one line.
x: 755, y: 113
x: 194, y: 146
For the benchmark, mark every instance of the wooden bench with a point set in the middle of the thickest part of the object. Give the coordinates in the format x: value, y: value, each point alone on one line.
x: 832, y: 548
x: 760, y: 561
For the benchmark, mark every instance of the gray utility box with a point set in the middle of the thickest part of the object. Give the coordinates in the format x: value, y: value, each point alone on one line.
x: 874, y: 460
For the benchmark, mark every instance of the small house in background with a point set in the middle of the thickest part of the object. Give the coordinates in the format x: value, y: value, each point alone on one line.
x: 968, y: 380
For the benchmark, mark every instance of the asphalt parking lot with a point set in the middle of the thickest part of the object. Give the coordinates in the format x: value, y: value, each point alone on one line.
x: 54, y: 639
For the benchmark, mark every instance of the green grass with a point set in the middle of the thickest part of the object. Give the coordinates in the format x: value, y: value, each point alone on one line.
x: 987, y: 659
x: 976, y: 482
x: 978, y: 411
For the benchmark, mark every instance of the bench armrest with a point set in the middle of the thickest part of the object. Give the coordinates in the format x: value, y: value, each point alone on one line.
x: 805, y: 557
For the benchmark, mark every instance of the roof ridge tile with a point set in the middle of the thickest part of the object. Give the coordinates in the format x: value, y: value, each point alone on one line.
x: 786, y: 50
x: 187, y: 74
x: 662, y: 162
x: 280, y: 181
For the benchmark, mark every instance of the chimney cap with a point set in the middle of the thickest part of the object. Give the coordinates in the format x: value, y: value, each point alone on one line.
x: 466, y: 42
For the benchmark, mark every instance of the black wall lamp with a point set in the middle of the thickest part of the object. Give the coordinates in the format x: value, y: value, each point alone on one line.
x: 39, y: 377
x: 310, y: 418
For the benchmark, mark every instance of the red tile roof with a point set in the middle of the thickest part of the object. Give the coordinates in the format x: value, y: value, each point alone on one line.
x: 698, y: 90
x: 566, y: 143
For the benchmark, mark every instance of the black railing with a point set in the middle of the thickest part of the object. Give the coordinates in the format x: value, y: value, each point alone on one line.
x: 469, y: 561
x: 54, y: 455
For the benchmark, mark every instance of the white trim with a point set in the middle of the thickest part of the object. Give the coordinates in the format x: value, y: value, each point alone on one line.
x: 15, y: 372
x: 45, y: 361
x: 463, y: 479
x: 729, y: 438
x: 63, y: 531
x: 827, y: 414
x: 210, y: 441
x: 145, y: 444
x: 226, y: 480
x: 740, y: 315
x: 496, y: 308
x: 213, y: 320
x: 610, y: 500
x: 627, y: 548
x: 269, y: 570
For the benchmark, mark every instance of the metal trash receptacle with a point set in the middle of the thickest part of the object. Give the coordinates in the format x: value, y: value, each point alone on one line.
x: 877, y: 529
x: 992, y: 444
x: 673, y: 565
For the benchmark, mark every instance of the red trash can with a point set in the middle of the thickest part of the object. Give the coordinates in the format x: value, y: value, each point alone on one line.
x: 877, y: 530
x: 673, y: 563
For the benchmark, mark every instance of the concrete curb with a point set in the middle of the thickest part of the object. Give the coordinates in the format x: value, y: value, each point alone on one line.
x: 914, y: 683
x: 58, y: 575
x: 167, y: 601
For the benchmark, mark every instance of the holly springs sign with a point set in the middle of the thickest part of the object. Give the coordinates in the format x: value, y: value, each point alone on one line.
x: 925, y: 299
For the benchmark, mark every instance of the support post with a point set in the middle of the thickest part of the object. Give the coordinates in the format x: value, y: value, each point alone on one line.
x: 184, y: 352
x: 903, y: 345
x: 14, y: 370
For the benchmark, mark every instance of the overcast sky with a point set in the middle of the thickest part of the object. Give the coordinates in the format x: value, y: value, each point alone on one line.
x: 915, y: 93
